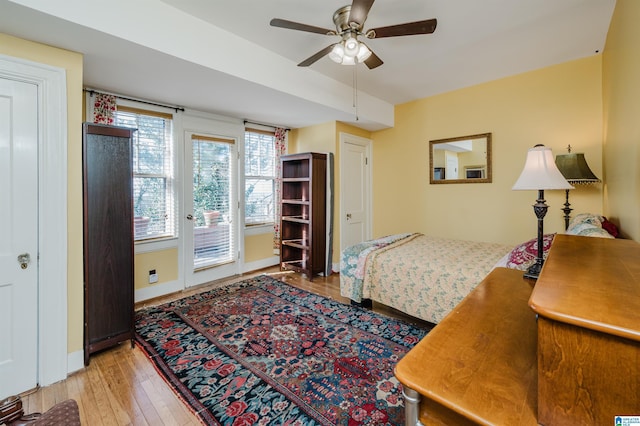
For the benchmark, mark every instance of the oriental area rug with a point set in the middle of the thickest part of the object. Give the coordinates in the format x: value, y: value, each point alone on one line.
x: 262, y: 352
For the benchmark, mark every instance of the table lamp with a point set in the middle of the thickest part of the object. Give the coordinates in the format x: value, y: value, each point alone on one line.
x: 576, y: 171
x: 540, y: 173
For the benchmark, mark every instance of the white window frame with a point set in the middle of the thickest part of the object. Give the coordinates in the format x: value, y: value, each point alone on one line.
x: 169, y: 241
x: 264, y: 227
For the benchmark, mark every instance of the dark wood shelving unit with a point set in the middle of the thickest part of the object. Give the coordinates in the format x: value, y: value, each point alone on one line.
x: 303, y: 207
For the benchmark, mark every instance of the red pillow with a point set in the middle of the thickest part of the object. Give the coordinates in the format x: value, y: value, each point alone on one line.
x: 524, y: 255
x: 610, y: 227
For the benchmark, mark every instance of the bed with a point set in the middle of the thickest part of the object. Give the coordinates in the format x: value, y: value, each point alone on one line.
x: 421, y: 275
x: 426, y: 276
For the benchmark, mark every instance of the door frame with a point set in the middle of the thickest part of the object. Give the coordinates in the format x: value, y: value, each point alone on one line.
x: 52, y: 211
x: 367, y: 144
x: 212, y: 126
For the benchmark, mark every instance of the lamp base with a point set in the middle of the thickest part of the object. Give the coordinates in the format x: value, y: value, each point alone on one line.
x: 534, y: 270
x: 567, y: 212
x: 540, y: 209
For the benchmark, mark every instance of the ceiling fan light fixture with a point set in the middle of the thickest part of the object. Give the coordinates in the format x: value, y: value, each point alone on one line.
x: 350, y: 23
x: 348, y: 60
x: 339, y: 53
x: 363, y: 52
x: 351, y: 46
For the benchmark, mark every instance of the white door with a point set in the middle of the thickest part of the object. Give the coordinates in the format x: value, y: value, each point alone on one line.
x: 18, y: 236
x: 212, y: 208
x: 355, y: 184
x: 451, y: 169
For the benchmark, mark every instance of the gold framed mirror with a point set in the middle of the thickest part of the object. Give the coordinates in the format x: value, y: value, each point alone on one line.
x: 464, y: 159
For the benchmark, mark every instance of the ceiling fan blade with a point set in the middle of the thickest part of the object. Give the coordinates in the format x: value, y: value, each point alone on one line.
x: 373, y: 61
x: 359, y: 11
x: 410, y: 28
x: 283, y: 23
x: 313, y: 58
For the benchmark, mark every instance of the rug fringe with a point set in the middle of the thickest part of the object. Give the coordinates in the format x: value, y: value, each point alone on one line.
x: 176, y: 392
x: 271, y: 274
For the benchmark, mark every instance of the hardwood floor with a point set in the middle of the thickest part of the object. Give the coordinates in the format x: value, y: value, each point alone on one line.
x: 121, y: 387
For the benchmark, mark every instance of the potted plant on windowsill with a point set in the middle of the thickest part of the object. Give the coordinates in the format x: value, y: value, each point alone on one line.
x: 145, y: 209
x: 211, y: 217
x: 141, y: 225
x: 210, y: 195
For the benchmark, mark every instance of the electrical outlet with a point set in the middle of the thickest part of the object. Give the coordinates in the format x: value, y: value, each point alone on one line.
x: 153, y: 276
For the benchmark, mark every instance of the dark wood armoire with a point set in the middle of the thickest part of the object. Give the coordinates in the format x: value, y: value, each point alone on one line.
x: 108, y: 237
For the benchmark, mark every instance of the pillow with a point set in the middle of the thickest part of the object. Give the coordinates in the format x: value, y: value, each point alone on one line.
x: 592, y: 225
x: 593, y: 231
x: 524, y: 255
x: 588, y: 218
x: 610, y: 227
x: 581, y: 228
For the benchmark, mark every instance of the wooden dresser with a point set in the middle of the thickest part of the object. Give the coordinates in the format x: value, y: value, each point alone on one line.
x: 490, y: 361
x: 588, y: 304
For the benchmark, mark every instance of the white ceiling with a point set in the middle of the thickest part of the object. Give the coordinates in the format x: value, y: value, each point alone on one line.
x: 222, y: 56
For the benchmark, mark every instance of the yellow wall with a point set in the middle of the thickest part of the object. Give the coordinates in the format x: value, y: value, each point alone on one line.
x: 326, y: 138
x: 165, y: 262
x: 555, y: 106
x: 72, y: 63
x: 258, y: 247
x: 621, y: 94
x: 318, y: 138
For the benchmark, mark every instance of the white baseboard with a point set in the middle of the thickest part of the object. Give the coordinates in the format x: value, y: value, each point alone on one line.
x: 260, y: 264
x: 158, y: 290
x: 75, y: 361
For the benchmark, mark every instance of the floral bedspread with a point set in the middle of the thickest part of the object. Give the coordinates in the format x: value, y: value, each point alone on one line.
x: 353, y: 262
x: 424, y: 276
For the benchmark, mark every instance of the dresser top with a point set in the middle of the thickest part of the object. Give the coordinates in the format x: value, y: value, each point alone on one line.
x: 592, y: 283
x: 480, y: 361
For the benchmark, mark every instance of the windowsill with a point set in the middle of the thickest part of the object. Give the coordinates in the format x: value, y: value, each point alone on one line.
x: 258, y: 229
x: 156, y: 245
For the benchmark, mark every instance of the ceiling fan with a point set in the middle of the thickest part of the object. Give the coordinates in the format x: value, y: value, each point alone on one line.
x: 349, y: 21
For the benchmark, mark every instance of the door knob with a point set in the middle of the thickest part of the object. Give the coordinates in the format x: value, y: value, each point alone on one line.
x: 190, y: 216
x: 23, y: 260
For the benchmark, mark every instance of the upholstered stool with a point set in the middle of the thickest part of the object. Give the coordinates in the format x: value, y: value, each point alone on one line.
x: 10, y: 409
x: 65, y: 413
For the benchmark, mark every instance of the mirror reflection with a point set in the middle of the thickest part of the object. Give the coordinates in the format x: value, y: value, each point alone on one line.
x: 464, y: 159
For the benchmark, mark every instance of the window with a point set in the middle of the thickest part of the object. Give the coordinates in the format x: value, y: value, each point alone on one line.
x: 260, y: 177
x: 213, y: 211
x: 153, y: 176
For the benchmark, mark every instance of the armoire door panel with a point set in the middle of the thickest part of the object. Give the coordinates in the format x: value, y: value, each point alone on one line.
x: 108, y: 236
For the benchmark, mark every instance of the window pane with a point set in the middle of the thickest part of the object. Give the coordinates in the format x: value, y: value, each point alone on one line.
x: 211, y: 178
x: 259, y: 200
x: 212, y: 190
x: 260, y: 176
x: 150, y: 145
x: 153, y: 199
x: 150, y: 202
x: 260, y: 155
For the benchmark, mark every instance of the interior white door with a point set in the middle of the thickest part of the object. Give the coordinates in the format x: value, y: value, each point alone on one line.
x: 18, y: 236
x: 451, y: 169
x: 355, y: 222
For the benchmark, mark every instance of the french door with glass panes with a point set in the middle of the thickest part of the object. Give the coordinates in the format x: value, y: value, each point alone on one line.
x: 211, y: 248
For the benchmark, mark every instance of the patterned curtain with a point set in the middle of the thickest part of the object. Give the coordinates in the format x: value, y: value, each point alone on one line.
x: 104, y: 106
x: 281, y: 149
